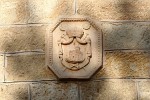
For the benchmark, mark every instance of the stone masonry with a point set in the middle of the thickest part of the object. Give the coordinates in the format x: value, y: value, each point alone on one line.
x: 126, y: 60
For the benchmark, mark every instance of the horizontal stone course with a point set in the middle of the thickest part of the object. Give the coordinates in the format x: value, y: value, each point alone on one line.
x: 115, y: 9
x: 116, y: 35
x: 27, y: 68
x: 114, y: 89
x: 54, y: 91
x: 125, y: 64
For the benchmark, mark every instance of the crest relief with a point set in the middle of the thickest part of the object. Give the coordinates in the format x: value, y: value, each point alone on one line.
x: 74, y: 48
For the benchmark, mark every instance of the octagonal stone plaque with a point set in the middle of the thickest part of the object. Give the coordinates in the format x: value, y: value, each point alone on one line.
x: 74, y: 48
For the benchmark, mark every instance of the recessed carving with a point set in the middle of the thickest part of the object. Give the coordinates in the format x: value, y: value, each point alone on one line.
x: 74, y: 48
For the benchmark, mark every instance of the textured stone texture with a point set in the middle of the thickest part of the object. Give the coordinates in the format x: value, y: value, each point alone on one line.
x: 108, y: 90
x: 13, y: 11
x: 27, y: 68
x: 17, y: 38
x: 115, y: 9
x: 32, y: 18
x: 144, y: 90
x: 54, y: 91
x: 119, y: 64
x: 13, y: 91
x: 116, y: 36
x: 1, y: 68
x: 47, y: 10
x: 126, y: 35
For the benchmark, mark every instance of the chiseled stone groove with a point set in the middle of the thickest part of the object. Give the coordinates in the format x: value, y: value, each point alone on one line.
x: 56, y: 80
x: 27, y: 24
x: 24, y: 53
x: 99, y: 21
x: 128, y: 50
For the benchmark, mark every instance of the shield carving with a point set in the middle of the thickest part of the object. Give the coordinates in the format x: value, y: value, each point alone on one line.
x: 74, y: 48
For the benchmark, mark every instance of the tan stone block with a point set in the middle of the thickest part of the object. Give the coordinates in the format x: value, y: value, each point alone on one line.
x: 1, y: 68
x: 108, y: 90
x: 126, y: 35
x: 54, y: 91
x: 119, y: 64
x: 144, y: 90
x: 13, y: 91
x: 115, y: 9
x: 13, y: 11
x: 27, y: 68
x: 17, y: 38
x: 44, y: 11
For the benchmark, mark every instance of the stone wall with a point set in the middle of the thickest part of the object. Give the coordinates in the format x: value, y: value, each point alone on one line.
x: 126, y: 63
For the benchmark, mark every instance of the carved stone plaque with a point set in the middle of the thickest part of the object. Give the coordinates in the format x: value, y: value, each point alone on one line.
x: 74, y: 48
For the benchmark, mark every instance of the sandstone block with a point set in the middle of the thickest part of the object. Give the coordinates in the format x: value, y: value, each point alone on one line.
x: 27, y: 68
x: 115, y: 9
x: 46, y: 10
x: 54, y: 91
x: 126, y: 35
x: 119, y: 64
x: 144, y: 90
x: 13, y: 91
x: 108, y: 90
x: 18, y: 38
x: 13, y: 11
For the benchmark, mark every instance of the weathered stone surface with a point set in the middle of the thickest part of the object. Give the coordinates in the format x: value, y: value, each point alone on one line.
x: 126, y: 35
x: 117, y: 64
x: 108, y: 90
x: 115, y: 9
x: 47, y: 10
x: 74, y: 48
x: 1, y: 68
x: 27, y: 68
x: 144, y: 90
x: 17, y: 38
x: 54, y: 91
x: 13, y: 91
x: 13, y: 11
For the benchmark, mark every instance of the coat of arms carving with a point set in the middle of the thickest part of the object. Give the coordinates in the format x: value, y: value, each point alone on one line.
x: 74, y: 48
